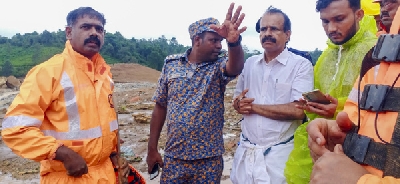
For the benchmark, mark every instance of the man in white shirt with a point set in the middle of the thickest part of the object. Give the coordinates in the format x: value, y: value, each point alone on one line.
x: 266, y: 94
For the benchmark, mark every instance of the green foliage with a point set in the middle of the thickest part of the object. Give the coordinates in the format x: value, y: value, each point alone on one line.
x: 30, y: 49
x: 6, y: 69
x: 315, y: 55
x: 21, y: 52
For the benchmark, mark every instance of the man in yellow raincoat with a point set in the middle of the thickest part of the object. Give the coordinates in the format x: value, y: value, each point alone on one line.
x: 63, y: 116
x: 351, y: 35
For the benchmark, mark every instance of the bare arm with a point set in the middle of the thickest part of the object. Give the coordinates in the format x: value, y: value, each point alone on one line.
x: 279, y: 112
x: 156, y: 124
x: 235, y: 62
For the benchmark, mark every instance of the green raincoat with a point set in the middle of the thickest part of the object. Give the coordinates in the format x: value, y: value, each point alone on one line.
x: 335, y: 73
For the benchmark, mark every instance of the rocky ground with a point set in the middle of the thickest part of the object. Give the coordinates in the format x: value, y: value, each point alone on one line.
x: 135, y: 85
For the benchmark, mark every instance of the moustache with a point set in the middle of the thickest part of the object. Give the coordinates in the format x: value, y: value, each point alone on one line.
x: 384, y: 14
x: 93, y: 39
x: 333, y: 34
x: 268, y: 38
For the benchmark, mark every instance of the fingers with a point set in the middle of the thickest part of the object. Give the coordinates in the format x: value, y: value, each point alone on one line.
x: 302, y: 107
x: 114, y: 161
x: 315, y: 131
x: 150, y: 167
x: 247, y: 100
x: 155, y: 158
x: 245, y: 104
x: 215, y: 27
x: 230, y: 10
x: 78, y: 172
x: 244, y: 92
x: 316, y: 150
x: 338, y: 149
x: 317, y: 105
x: 236, y: 15
x: 344, y: 122
x: 243, y: 29
x: 236, y: 23
x: 125, y: 167
x: 332, y: 99
x: 316, y: 140
x: 314, y: 109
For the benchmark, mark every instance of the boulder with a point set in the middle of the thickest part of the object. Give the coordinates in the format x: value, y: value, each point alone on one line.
x: 12, y: 82
x: 142, y: 118
x: 3, y: 81
x: 141, y: 106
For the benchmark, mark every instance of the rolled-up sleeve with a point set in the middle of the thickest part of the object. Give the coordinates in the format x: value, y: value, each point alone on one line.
x: 225, y: 77
x: 161, y: 94
x: 304, y: 80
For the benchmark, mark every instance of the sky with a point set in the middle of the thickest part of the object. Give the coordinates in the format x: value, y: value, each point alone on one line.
x: 153, y: 18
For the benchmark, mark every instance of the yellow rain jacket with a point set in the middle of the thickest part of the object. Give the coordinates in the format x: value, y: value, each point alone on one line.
x: 65, y: 101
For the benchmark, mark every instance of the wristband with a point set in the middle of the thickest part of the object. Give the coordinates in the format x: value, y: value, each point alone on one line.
x: 235, y: 43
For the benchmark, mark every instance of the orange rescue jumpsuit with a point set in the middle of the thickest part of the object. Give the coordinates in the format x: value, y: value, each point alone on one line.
x: 65, y: 101
x: 384, y: 74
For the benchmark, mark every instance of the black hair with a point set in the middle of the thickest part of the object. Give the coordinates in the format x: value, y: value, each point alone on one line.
x: 80, y: 12
x: 287, y: 25
x: 322, y: 4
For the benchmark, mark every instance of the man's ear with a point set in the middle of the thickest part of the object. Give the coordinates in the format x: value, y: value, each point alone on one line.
x: 288, y: 33
x: 68, y: 31
x: 197, y: 40
x: 359, y: 14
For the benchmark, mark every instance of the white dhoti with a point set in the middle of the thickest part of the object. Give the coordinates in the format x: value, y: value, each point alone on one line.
x: 254, y: 164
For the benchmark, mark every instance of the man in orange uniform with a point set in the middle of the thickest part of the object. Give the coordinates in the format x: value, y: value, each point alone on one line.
x: 63, y: 116
x: 363, y: 144
x: 388, y: 10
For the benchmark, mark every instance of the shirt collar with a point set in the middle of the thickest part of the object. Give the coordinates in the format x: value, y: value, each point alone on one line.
x: 81, y: 61
x: 281, y: 58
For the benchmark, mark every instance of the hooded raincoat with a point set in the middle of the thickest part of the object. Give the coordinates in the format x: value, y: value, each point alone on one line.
x: 65, y: 101
x: 335, y: 73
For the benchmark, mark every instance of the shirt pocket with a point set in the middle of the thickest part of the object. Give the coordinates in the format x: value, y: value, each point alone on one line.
x: 176, y: 83
x: 282, y: 93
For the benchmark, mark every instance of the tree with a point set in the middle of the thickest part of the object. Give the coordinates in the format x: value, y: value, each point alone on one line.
x: 315, y: 55
x: 36, y: 59
x: 7, y: 69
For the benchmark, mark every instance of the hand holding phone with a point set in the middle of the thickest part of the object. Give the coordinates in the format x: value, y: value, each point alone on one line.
x: 316, y: 96
x: 155, y: 171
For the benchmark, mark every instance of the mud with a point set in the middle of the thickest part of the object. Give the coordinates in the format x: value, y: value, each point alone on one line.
x: 131, y: 94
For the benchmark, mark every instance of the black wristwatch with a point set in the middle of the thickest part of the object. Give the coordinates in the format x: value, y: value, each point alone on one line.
x: 235, y: 43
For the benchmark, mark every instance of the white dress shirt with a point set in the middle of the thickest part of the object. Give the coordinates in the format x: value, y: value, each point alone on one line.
x: 281, y: 81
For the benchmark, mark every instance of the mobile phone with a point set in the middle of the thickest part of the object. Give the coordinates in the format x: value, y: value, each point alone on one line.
x: 155, y: 171
x: 316, y: 96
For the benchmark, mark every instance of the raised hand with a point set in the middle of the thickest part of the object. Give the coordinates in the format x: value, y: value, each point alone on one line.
x: 230, y: 28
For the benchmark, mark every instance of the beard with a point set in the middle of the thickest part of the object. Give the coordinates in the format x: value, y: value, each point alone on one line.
x: 350, y: 33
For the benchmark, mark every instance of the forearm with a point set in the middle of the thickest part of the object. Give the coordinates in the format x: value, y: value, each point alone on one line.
x: 279, y: 112
x: 156, y: 124
x: 30, y: 143
x: 235, y: 62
